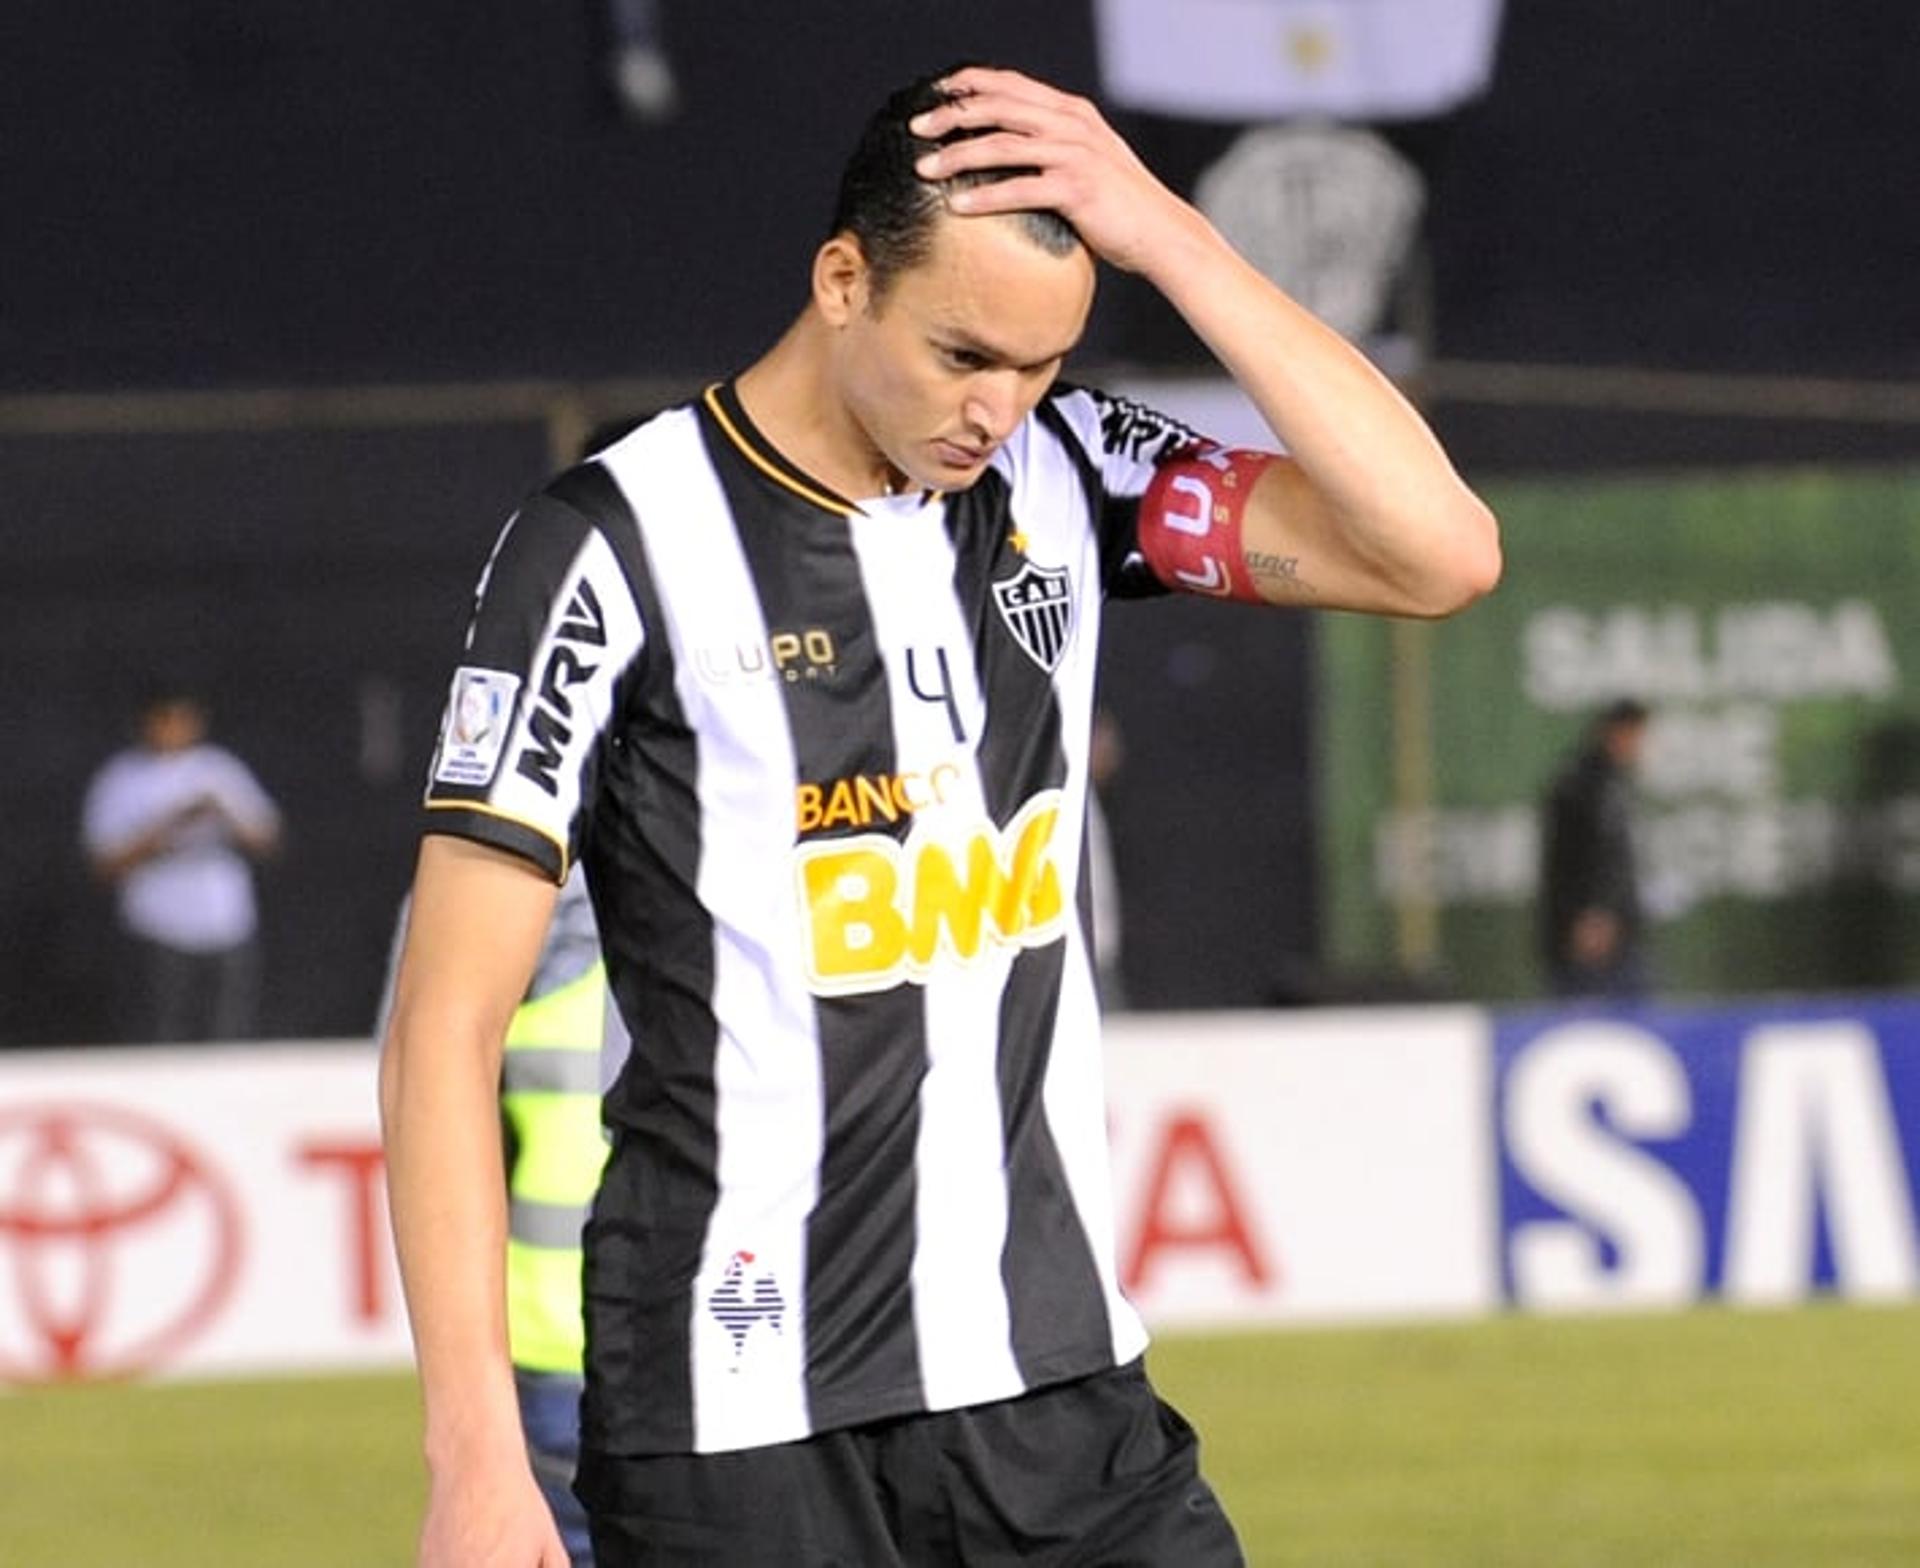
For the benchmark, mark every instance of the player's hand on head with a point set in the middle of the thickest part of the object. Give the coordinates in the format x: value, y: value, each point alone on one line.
x: 1081, y: 167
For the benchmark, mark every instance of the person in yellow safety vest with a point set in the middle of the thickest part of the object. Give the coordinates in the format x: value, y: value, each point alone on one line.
x: 564, y: 1045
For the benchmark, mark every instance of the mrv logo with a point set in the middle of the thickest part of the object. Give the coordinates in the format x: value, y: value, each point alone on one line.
x: 551, y: 718
x: 1649, y: 1162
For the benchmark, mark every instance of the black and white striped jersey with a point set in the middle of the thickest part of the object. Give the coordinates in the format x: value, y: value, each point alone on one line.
x: 825, y: 764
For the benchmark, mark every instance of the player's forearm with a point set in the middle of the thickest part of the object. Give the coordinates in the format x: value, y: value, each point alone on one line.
x: 1367, y: 488
x: 1372, y: 464
x: 446, y: 1192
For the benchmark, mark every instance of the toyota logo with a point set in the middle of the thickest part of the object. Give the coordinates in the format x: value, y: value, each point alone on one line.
x: 119, y: 1243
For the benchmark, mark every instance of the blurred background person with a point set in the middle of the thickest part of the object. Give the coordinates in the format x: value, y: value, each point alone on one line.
x: 175, y: 823
x: 1593, y: 925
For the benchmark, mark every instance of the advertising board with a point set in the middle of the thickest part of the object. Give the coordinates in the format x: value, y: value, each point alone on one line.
x: 1660, y: 1157
x: 185, y: 1213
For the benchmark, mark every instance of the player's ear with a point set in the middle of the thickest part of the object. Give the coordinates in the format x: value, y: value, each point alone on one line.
x: 841, y: 279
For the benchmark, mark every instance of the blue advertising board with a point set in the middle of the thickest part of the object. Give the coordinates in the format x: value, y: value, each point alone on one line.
x: 1657, y: 1156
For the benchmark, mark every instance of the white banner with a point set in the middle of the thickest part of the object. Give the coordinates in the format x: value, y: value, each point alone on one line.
x: 175, y: 1212
x: 1286, y: 1166
x: 1287, y: 59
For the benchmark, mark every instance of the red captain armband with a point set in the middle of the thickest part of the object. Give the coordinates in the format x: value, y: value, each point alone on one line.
x: 1190, y: 521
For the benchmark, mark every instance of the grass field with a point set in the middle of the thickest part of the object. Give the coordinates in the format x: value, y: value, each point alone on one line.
x: 1712, y: 1440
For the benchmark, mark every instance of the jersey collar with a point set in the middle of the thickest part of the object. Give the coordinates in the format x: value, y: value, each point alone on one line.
x: 723, y: 404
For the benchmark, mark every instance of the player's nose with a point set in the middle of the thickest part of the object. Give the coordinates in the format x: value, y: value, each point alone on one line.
x: 992, y: 411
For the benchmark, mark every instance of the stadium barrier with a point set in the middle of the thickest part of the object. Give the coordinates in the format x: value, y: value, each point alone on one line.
x: 177, y: 1213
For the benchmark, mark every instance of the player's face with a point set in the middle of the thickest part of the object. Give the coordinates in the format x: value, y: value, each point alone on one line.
x: 960, y: 348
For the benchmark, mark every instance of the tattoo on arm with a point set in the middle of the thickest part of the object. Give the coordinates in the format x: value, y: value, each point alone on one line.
x: 1279, y: 571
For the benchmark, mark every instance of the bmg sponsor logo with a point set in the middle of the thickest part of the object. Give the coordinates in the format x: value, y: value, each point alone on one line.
x: 878, y: 912
x: 867, y: 798
x: 93, y: 1198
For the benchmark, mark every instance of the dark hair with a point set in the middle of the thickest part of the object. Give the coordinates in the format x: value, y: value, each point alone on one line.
x: 1622, y: 712
x: 168, y: 687
x: 891, y: 210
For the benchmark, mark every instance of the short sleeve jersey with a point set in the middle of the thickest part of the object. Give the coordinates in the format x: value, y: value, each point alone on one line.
x: 825, y: 766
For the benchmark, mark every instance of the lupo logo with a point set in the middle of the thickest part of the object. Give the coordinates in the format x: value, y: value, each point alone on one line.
x: 118, y: 1243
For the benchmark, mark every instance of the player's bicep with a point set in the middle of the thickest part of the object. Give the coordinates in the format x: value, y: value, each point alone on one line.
x: 1287, y: 544
x: 1194, y: 518
x: 1298, y: 551
x: 1248, y: 525
x: 475, y: 925
x: 555, y: 635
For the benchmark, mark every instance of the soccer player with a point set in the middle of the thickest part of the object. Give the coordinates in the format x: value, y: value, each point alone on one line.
x: 803, y: 673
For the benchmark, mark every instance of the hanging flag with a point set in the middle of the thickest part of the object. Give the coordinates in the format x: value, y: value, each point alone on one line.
x: 1329, y: 212
x: 1285, y: 59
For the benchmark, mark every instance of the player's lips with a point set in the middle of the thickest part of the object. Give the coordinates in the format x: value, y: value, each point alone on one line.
x: 954, y: 455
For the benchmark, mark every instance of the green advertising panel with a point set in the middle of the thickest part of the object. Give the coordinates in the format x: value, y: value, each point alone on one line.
x: 1770, y: 621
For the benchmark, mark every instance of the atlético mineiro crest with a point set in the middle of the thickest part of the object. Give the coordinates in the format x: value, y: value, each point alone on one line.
x: 1037, y: 605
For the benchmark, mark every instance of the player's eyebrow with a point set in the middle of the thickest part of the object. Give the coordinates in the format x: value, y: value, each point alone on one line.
x: 969, y: 342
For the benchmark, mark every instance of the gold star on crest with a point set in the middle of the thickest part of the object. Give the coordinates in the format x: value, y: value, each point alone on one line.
x: 1018, y: 540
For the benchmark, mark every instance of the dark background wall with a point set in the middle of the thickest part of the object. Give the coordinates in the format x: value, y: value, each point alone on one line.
x: 289, y: 576
x: 218, y: 190
x: 245, y: 193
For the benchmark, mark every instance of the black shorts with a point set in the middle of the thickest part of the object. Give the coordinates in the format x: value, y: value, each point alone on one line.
x: 1095, y: 1473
